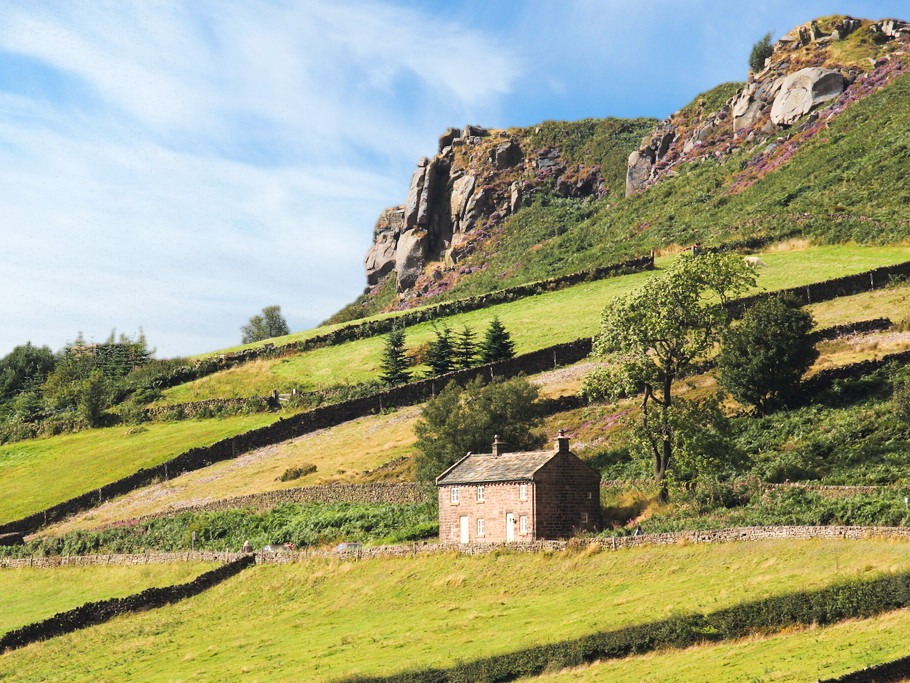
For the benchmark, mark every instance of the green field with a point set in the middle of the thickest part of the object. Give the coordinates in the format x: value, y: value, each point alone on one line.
x: 798, y: 656
x: 324, y: 619
x: 341, y: 454
x: 534, y: 322
x: 31, y: 594
x: 43, y: 472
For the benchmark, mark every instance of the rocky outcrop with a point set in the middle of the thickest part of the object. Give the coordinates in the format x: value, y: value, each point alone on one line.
x: 642, y: 162
x: 801, y: 92
x: 381, y: 258
x: 802, y: 76
x: 477, y: 179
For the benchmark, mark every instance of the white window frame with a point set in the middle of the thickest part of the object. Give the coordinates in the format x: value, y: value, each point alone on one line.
x: 584, y: 517
x: 480, y: 494
x: 523, y: 524
x: 480, y: 526
x: 522, y: 492
x: 453, y: 495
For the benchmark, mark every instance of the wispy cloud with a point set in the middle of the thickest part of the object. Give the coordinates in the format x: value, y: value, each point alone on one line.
x: 179, y: 164
x: 189, y: 163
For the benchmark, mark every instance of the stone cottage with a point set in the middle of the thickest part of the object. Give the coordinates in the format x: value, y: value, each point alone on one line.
x: 507, y: 497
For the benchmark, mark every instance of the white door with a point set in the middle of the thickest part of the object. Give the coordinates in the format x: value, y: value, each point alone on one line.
x: 465, y: 532
x: 510, y: 527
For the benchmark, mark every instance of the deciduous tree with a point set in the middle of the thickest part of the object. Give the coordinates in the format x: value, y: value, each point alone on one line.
x: 459, y: 420
x: 657, y: 333
x: 765, y: 355
x: 270, y: 324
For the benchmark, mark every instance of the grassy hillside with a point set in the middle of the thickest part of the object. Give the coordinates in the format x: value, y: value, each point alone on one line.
x: 534, y: 322
x: 846, y: 183
x: 31, y: 594
x: 802, y: 655
x: 332, y: 619
x: 340, y: 454
x: 42, y: 472
x: 52, y: 470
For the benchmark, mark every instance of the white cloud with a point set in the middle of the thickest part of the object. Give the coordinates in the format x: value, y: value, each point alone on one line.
x: 213, y: 158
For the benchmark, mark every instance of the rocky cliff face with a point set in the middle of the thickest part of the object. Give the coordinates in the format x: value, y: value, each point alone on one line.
x: 812, y: 72
x: 462, y: 195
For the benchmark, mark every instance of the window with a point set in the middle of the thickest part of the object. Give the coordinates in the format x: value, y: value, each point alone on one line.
x: 453, y: 495
x: 584, y: 517
x: 522, y: 492
x: 589, y: 495
x: 480, y: 527
x: 523, y: 524
x: 480, y: 498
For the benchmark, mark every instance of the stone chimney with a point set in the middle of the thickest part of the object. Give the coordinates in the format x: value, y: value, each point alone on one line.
x: 499, y: 447
x: 562, y: 442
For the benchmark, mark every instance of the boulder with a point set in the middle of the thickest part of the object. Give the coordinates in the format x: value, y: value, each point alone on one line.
x: 410, y: 254
x: 507, y: 155
x: 474, y: 132
x: 447, y: 138
x: 462, y: 189
x: 514, y: 197
x: 414, y: 192
x: 382, y: 255
x: 638, y: 170
x: 804, y: 90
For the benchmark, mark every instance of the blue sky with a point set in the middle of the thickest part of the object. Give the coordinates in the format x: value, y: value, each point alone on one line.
x: 176, y: 166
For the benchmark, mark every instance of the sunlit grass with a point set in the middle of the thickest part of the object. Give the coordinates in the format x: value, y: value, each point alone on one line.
x: 31, y: 594
x: 804, y: 655
x: 534, y: 322
x: 323, y: 619
x: 341, y: 454
x: 39, y: 473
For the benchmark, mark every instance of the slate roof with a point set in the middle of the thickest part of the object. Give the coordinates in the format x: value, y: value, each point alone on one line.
x: 481, y: 468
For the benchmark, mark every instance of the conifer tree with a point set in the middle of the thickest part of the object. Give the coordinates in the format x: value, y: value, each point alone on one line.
x: 440, y: 354
x: 394, y: 362
x: 497, y: 343
x: 464, y: 349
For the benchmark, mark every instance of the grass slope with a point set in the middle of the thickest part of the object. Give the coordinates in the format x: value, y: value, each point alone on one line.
x: 30, y: 594
x: 846, y: 183
x: 323, y: 619
x: 341, y: 454
x: 43, y: 472
x: 798, y: 656
x: 534, y: 322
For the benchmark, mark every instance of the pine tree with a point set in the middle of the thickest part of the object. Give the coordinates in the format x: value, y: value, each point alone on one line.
x: 497, y: 343
x: 440, y: 354
x: 464, y: 349
x: 394, y: 363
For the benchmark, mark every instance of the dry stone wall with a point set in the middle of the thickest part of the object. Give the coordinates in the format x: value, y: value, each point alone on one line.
x: 303, y: 423
x: 98, y: 612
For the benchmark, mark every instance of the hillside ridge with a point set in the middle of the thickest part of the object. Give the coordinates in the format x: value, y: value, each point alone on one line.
x: 464, y: 202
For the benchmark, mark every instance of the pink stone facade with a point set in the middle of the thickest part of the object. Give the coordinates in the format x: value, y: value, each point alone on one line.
x: 498, y: 501
x: 560, y: 499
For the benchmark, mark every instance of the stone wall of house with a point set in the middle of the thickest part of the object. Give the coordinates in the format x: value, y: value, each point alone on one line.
x: 499, y: 499
x: 568, y: 498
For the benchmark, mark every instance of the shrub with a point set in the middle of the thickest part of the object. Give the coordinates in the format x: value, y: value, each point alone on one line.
x: 760, y: 52
x: 296, y: 472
